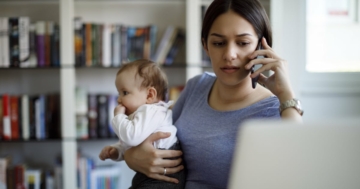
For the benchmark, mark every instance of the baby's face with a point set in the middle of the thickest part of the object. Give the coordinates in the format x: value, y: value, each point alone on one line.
x: 131, y: 94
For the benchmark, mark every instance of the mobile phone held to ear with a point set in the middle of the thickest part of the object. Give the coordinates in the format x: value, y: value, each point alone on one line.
x: 256, y: 67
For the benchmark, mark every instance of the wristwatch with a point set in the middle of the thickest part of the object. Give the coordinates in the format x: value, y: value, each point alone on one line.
x: 293, y: 103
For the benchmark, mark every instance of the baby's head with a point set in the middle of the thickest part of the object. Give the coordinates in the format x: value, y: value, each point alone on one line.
x: 140, y: 82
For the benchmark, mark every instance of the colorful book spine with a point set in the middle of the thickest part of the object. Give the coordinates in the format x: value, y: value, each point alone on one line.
x: 78, y: 41
x: 49, y: 32
x: 14, y: 42
x: 24, y: 42
x: 14, y: 117
x: 6, y: 117
x: 40, y: 42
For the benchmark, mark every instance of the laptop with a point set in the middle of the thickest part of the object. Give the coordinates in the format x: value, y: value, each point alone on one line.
x: 288, y: 155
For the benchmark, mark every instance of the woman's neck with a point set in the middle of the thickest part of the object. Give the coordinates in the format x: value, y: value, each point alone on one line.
x: 227, y: 98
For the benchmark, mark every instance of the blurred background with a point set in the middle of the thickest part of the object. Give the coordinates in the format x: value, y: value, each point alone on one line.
x: 58, y: 60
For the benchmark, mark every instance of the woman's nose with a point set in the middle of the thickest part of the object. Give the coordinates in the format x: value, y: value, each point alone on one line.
x: 230, y: 53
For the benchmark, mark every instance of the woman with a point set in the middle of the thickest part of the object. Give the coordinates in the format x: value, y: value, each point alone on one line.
x: 212, y: 106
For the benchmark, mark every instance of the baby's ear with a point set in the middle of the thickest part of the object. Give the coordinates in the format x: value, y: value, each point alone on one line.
x: 151, y: 95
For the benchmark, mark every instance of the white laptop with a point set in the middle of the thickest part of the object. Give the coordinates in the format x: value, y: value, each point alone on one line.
x: 286, y: 155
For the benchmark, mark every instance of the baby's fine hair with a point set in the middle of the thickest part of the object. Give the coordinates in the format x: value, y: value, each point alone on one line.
x: 152, y: 76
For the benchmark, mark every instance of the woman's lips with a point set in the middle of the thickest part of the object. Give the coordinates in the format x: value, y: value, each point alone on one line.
x: 230, y: 69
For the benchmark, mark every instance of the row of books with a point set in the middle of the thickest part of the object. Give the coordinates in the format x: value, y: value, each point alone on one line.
x: 93, y: 114
x: 25, y: 117
x: 110, y: 45
x: 90, y: 176
x: 20, y: 176
x: 26, y: 44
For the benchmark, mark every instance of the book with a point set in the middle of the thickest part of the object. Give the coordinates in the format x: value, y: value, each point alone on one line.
x: 32, y: 117
x: 25, y: 117
x: 4, y: 42
x: 4, y: 164
x: 175, y: 47
x: 81, y: 109
x: 6, y: 117
x: 40, y: 42
x: 88, y: 44
x: 112, y: 103
x: 19, y: 174
x: 124, y: 44
x: 14, y: 50
x: 106, y: 45
x: 102, y: 119
x: 33, y: 178
x: 55, y: 46
x: 1, y: 119
x: 78, y: 41
x: 49, y: 32
x: 52, y: 116
x: 165, y: 44
x: 24, y: 42
x: 32, y: 45
x: 116, y: 45
x: 92, y: 115
x: 14, y: 117
x: 105, y: 177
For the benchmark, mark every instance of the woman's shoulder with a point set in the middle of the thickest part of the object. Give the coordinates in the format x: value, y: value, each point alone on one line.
x: 205, y: 78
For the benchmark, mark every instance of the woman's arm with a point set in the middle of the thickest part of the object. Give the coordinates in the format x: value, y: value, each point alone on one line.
x: 146, y: 159
x: 278, y: 83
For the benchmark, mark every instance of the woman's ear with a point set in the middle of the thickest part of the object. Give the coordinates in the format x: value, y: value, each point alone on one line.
x: 205, y: 46
x: 151, y: 95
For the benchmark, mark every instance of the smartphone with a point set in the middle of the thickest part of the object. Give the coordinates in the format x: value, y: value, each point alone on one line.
x: 256, y: 67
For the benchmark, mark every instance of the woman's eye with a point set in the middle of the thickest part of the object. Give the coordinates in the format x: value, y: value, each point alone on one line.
x: 218, y: 43
x: 243, y: 43
x: 125, y: 93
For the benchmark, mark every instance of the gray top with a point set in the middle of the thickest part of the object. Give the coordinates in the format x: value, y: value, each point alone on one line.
x: 207, y: 136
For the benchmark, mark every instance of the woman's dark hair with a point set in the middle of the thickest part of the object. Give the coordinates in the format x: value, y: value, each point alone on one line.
x: 250, y: 10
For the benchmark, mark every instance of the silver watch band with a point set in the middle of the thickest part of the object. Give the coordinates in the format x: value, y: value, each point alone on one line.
x: 293, y: 103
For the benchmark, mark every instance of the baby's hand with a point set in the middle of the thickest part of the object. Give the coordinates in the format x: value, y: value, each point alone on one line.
x: 109, y: 152
x: 119, y: 109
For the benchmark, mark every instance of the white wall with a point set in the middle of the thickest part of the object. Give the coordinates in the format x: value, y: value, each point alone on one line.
x: 326, y: 95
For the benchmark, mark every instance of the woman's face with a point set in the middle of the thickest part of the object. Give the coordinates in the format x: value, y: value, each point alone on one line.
x: 231, y: 40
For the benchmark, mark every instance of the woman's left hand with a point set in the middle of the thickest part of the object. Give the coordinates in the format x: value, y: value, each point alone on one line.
x: 278, y: 83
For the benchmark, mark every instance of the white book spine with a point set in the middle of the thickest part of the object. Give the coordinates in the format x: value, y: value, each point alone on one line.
x: 24, y: 46
x: 25, y: 117
x: 5, y: 43
x: 116, y: 41
x: 7, y: 127
x: 164, y: 40
x: 106, y: 45
x: 33, y: 177
x: 2, y: 33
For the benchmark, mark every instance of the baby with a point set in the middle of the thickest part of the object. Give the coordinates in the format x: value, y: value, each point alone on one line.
x: 141, y: 111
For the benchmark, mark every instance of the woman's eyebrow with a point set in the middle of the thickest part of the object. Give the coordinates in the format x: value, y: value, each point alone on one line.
x: 222, y: 36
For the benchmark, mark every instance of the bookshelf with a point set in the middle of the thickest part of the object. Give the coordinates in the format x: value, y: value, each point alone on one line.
x: 64, y: 79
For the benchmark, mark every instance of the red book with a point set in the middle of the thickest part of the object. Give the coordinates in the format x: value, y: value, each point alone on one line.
x: 6, y: 117
x: 14, y: 117
x: 19, y: 177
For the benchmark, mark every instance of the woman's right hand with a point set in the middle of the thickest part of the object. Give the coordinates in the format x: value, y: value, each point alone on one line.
x: 150, y: 161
